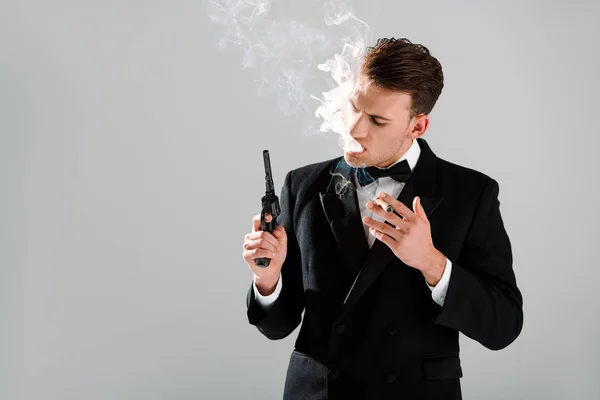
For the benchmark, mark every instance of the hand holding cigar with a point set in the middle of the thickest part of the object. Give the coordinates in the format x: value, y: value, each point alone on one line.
x: 406, y: 232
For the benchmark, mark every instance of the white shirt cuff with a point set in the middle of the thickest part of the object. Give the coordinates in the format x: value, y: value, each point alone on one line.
x: 267, y: 301
x: 438, y: 292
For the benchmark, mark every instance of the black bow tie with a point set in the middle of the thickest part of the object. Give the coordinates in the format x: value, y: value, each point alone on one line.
x: 399, y: 172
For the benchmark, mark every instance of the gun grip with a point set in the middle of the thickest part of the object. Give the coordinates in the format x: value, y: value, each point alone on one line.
x: 265, y: 227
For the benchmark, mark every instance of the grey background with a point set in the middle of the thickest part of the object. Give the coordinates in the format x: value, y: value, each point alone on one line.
x: 131, y: 167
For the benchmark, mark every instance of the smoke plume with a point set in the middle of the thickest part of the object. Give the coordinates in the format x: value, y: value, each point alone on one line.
x: 287, y: 55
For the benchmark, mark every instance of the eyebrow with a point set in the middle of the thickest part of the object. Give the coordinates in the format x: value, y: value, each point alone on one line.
x: 370, y: 115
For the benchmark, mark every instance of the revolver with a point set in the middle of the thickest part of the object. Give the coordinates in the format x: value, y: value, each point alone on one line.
x: 270, y: 205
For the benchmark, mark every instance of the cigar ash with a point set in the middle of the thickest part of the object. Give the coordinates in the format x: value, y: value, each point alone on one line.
x: 383, y: 204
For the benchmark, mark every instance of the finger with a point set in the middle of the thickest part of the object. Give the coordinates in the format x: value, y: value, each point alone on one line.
x: 391, y: 217
x: 261, y: 244
x: 398, y: 206
x: 256, y: 221
x: 382, y: 227
x: 258, y: 253
x: 386, y: 239
x: 262, y: 235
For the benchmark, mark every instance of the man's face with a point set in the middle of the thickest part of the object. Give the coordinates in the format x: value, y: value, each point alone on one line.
x: 379, y: 120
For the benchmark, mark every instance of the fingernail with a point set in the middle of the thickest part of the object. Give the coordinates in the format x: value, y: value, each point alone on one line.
x: 369, y: 204
x: 382, y: 195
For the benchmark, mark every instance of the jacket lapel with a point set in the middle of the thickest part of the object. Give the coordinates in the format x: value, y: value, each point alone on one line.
x: 340, y: 205
x: 421, y: 183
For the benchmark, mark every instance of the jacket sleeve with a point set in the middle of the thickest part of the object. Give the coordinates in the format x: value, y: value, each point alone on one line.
x: 482, y: 300
x: 285, y: 314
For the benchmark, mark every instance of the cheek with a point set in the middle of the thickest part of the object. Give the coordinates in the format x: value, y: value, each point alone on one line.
x: 393, y: 134
x: 352, y: 117
x: 386, y: 134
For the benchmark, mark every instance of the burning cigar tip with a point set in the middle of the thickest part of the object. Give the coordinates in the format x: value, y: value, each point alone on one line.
x: 383, y: 204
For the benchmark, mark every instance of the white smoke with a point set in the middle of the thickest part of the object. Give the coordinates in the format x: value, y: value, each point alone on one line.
x: 335, y: 107
x: 287, y: 53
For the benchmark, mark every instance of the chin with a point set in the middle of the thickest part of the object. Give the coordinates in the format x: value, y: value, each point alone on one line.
x: 353, y: 160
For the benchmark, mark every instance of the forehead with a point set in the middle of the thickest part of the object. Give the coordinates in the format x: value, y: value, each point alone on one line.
x: 370, y: 96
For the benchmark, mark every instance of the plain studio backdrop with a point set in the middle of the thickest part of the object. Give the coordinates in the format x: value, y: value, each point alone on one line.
x: 131, y: 166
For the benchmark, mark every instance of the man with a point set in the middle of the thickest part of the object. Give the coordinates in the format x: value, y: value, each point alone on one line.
x: 385, y: 294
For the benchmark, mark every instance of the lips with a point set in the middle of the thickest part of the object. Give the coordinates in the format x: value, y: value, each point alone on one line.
x: 355, y: 153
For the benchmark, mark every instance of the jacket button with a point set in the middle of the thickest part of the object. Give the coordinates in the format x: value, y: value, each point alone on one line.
x: 341, y: 329
x: 390, y: 378
x: 334, y: 374
x: 391, y: 330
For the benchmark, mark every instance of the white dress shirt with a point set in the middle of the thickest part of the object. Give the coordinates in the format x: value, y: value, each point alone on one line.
x: 365, y: 194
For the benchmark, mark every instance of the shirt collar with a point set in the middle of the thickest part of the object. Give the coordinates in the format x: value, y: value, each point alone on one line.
x: 411, y: 155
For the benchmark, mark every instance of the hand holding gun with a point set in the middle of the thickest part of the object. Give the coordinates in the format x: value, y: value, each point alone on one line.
x: 270, y: 205
x: 266, y: 245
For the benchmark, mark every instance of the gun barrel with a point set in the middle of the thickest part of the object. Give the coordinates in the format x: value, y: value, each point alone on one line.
x: 268, y: 174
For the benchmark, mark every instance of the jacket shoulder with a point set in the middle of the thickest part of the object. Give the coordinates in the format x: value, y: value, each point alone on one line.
x: 315, y: 175
x: 459, y: 175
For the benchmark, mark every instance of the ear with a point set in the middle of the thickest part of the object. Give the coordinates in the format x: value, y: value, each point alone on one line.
x: 420, y: 123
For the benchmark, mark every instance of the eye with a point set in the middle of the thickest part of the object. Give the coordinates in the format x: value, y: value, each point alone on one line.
x: 374, y: 121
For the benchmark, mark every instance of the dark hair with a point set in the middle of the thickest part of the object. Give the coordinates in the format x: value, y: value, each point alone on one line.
x: 398, y: 64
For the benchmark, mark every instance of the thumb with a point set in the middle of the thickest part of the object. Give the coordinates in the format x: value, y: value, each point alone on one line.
x: 418, y: 207
x: 279, y: 233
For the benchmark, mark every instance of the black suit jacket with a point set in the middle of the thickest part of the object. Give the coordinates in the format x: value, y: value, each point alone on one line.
x: 371, y: 329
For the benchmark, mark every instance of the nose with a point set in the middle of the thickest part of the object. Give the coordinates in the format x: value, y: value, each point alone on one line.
x: 359, y: 127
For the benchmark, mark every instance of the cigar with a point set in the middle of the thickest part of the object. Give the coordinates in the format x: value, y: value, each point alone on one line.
x: 383, y: 205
